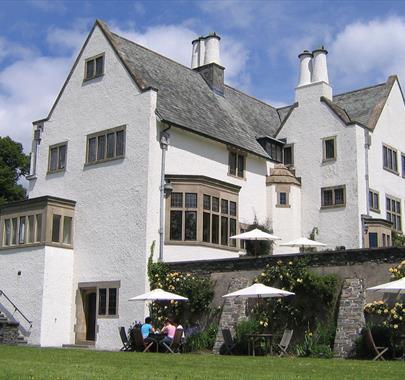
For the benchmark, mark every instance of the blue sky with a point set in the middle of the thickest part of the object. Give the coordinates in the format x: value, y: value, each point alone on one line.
x: 260, y: 43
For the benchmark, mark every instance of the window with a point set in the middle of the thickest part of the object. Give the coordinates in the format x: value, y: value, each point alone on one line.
x: 94, y: 67
x: 390, y: 159
x: 288, y: 155
x: 373, y: 201
x: 106, y: 145
x: 25, y: 229
x: 329, y: 148
x: 57, y: 157
x: 403, y: 164
x: 273, y: 149
x: 373, y: 240
x: 237, y: 164
x: 62, y: 229
x: 282, y: 199
x: 107, y: 301
x: 197, y: 214
x: 393, y: 207
x: 333, y: 196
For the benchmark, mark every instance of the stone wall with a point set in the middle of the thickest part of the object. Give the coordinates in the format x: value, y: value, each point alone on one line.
x: 350, y: 318
x: 9, y: 333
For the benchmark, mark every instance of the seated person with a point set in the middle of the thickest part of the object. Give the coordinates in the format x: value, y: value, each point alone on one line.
x: 179, y: 327
x: 169, y: 329
x: 147, y: 328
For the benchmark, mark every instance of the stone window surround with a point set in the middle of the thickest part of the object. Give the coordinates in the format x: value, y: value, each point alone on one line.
x: 283, y: 189
x: 393, y: 150
x: 104, y: 133
x: 374, y: 192
x: 394, y: 213
x: 334, y: 205
x: 238, y: 153
x: 324, y: 140
x: 64, y: 143
x: 93, y: 58
x: 46, y: 206
x: 201, y: 185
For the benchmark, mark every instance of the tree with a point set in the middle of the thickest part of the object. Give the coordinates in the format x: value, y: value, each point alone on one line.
x: 13, y: 165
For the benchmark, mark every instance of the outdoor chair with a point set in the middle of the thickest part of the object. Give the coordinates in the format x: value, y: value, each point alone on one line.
x: 285, y: 342
x: 378, y: 351
x: 126, y: 346
x: 139, y: 344
x: 175, y: 346
x: 229, y: 343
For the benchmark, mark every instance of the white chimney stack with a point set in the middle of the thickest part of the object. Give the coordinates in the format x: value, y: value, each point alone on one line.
x: 319, y: 66
x: 212, y: 49
x: 305, y: 68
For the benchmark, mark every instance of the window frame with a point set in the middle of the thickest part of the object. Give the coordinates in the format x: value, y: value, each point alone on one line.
x: 63, y: 215
x: 107, y: 286
x: 289, y: 146
x: 283, y: 189
x: 333, y: 189
x: 394, y: 214
x: 58, y: 146
x: 324, y: 140
x: 94, y: 76
x: 403, y: 164
x: 373, y: 193
x: 393, y: 150
x: 239, y: 155
x: 96, y: 136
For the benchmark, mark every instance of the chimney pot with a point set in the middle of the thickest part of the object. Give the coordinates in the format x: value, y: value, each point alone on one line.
x: 320, y: 67
x: 305, y: 68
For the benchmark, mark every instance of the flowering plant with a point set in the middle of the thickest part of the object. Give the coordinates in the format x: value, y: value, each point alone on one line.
x: 398, y: 271
x: 392, y: 317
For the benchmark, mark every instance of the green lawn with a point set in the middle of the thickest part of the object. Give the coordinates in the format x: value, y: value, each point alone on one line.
x: 37, y: 363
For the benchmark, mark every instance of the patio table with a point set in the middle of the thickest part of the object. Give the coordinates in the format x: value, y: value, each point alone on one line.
x: 253, y: 338
x: 156, y: 337
x: 400, y: 340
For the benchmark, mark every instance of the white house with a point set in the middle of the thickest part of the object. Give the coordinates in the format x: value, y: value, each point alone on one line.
x: 138, y: 149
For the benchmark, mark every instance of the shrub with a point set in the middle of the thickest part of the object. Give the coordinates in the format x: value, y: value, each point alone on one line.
x: 244, y: 328
x: 314, y: 345
x: 202, y: 340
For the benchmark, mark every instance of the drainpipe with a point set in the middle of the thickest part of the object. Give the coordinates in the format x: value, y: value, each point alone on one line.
x: 164, y: 144
x: 367, y: 139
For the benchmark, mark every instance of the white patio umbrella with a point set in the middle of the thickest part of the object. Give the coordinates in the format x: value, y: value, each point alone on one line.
x: 255, y: 234
x: 302, y: 242
x: 390, y: 287
x: 259, y: 291
x: 158, y: 295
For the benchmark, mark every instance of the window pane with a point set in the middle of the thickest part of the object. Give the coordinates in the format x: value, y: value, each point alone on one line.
x: 177, y: 200
x: 327, y: 197
x: 385, y: 156
x: 38, y: 219
x: 56, y: 228
x: 224, y: 206
x: 376, y: 203
x: 288, y: 155
x: 110, y: 145
x: 112, y: 301
x: 241, y: 166
x: 232, y: 163
x: 7, y: 232
x: 215, y: 229
x: 91, y: 154
x: 232, y: 231
x: 67, y: 230
x: 207, y: 202
x: 62, y: 157
x: 191, y: 200
x: 21, y: 232
x: 394, y: 161
x: 232, y: 208
x: 339, y: 197
x: 215, y: 204
x: 31, y: 228
x: 403, y: 166
x: 279, y: 151
x: 206, y: 227
x: 54, y: 159
x: 388, y: 204
x: 101, y: 147
x: 14, y: 231
x: 89, y: 69
x: 370, y: 199
x: 176, y: 219
x: 99, y: 65
x: 329, y: 149
x: 224, y: 230
x: 190, y: 225
x: 283, y: 198
x: 102, y: 301
x: 373, y: 240
x: 120, y: 143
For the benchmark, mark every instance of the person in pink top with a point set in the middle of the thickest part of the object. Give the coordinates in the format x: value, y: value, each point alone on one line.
x: 169, y: 329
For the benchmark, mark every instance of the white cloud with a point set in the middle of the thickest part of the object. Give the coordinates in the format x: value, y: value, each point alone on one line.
x: 10, y: 49
x: 367, y: 52
x: 57, y: 6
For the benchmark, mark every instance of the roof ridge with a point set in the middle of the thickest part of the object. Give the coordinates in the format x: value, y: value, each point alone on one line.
x: 361, y: 89
x: 250, y: 96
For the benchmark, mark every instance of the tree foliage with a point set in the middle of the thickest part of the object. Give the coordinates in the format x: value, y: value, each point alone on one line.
x: 13, y: 165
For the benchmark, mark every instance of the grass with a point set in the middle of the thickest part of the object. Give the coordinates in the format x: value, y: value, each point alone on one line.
x: 46, y: 363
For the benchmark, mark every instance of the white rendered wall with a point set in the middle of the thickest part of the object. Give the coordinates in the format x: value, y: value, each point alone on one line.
x: 195, y: 155
x: 56, y: 308
x: 110, y: 229
x: 389, y: 130
x: 25, y: 290
x: 311, y: 121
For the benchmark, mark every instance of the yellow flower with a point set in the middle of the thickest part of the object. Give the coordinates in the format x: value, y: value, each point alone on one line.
x: 395, y: 326
x: 385, y: 311
x: 290, y: 263
x: 309, y: 334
